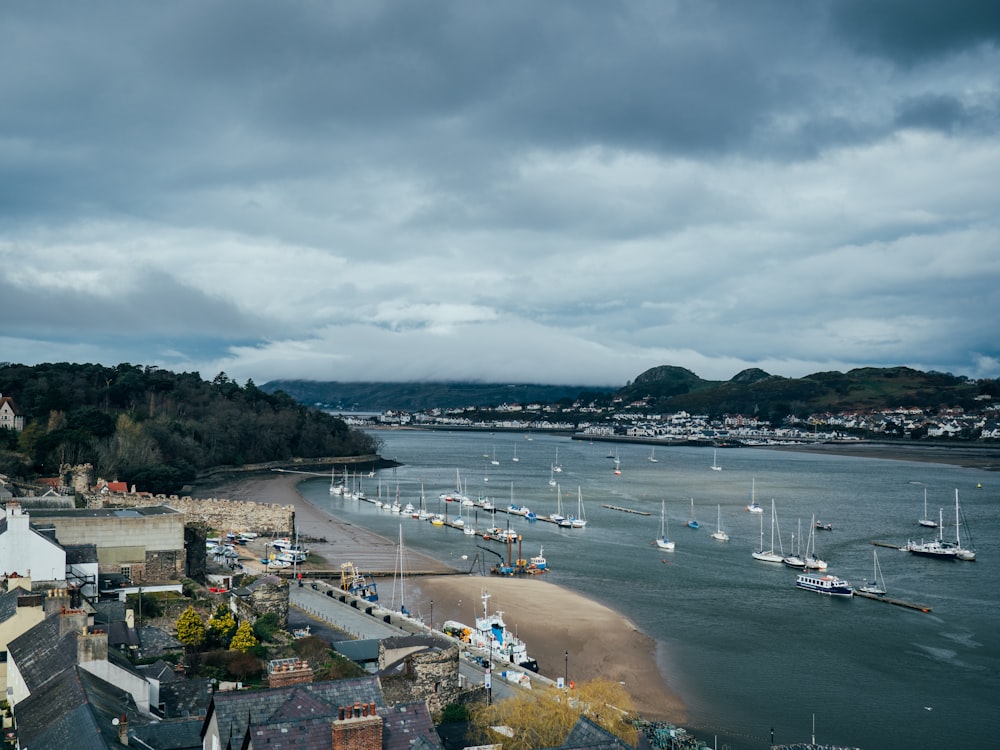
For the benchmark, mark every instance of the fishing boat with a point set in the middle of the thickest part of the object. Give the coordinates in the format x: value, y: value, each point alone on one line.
x: 822, y: 526
x: 824, y: 584
x: 719, y: 534
x: 538, y: 561
x: 663, y: 541
x: 753, y: 506
x: 926, y: 522
x: 353, y: 582
x: 812, y: 561
x: 877, y: 584
x: 491, y: 634
x: 768, y: 555
x: 580, y: 519
x: 715, y: 462
x: 692, y: 521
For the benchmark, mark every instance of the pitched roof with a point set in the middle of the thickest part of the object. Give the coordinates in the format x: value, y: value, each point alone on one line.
x: 405, y: 722
x: 41, y: 654
x: 298, y: 702
x: 178, y: 734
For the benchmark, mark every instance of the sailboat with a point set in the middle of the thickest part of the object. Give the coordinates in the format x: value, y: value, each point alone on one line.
x: 793, y: 559
x: 930, y: 523
x: 719, y: 534
x: 334, y: 489
x: 962, y: 553
x: 558, y: 517
x: 580, y: 519
x: 753, y: 506
x: 494, y: 459
x: 400, y: 568
x: 663, y: 541
x: 768, y: 555
x: 715, y: 462
x: 811, y: 560
x: 936, y: 548
x: 515, y: 459
x: 618, y: 465
x: 652, y: 455
x: 552, y: 477
x: 423, y: 514
x: 693, y: 522
x: 877, y: 584
x: 557, y: 467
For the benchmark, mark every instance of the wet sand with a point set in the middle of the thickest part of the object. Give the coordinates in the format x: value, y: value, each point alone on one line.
x: 550, y: 619
x: 970, y: 456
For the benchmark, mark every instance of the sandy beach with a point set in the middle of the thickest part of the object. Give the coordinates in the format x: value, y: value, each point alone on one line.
x: 550, y: 619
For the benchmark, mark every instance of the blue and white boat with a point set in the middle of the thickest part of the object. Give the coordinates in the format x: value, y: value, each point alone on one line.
x: 824, y: 584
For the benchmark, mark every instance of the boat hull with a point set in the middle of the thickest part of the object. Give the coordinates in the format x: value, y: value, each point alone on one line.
x: 824, y: 584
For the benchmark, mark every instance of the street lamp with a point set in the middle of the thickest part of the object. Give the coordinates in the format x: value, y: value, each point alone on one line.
x: 432, y: 614
x: 566, y: 673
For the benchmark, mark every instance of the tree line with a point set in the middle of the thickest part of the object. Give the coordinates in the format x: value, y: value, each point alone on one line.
x: 157, y: 429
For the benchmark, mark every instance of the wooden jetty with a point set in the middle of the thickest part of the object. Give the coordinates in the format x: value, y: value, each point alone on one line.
x: 890, y: 600
x: 627, y: 510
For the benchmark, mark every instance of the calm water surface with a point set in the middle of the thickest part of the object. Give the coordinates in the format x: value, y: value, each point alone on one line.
x: 745, y: 649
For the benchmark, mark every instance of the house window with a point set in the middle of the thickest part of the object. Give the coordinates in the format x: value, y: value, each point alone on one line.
x: 126, y: 572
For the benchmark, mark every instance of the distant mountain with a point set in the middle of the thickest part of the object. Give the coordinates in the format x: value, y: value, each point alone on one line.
x: 667, y: 389
x: 380, y: 397
x: 754, y: 391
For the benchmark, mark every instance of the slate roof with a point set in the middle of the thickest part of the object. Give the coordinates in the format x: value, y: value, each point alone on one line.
x: 298, y: 702
x: 180, y: 734
x: 41, y: 655
x: 405, y: 722
x: 8, y: 604
x: 76, y: 710
x: 402, y: 726
x: 586, y: 735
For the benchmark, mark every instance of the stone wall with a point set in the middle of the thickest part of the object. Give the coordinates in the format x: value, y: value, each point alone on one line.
x: 267, y: 594
x: 430, y: 670
x: 216, y: 513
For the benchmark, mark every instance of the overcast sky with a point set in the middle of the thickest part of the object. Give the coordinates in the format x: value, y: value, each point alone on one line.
x: 551, y: 192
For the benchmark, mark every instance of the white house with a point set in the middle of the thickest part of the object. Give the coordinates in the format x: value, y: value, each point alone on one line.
x: 25, y: 552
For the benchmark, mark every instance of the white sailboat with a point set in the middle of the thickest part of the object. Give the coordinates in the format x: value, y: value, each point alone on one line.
x: 663, y: 541
x: 793, y: 559
x: 715, y: 462
x: 962, y: 553
x: 719, y: 534
x: 558, y: 517
x: 652, y: 455
x: 877, y: 584
x: 927, y: 522
x: 557, y: 467
x: 618, y: 465
x: 515, y: 459
x: 494, y: 459
x: 753, y: 506
x: 811, y: 560
x: 580, y: 519
x: 768, y: 555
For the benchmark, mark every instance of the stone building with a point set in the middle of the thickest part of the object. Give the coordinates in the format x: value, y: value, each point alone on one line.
x: 266, y: 594
x: 419, y: 668
x: 144, y: 545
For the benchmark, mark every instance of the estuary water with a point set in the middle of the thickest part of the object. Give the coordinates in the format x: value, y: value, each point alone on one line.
x: 747, y: 651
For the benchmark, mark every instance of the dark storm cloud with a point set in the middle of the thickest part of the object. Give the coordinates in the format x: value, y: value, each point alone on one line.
x: 319, y: 183
x: 911, y: 32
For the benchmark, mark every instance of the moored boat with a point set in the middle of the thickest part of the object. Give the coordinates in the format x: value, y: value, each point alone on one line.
x: 824, y: 584
x: 354, y: 582
x: 491, y: 634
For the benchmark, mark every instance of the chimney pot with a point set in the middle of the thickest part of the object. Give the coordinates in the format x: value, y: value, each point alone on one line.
x: 340, y: 714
